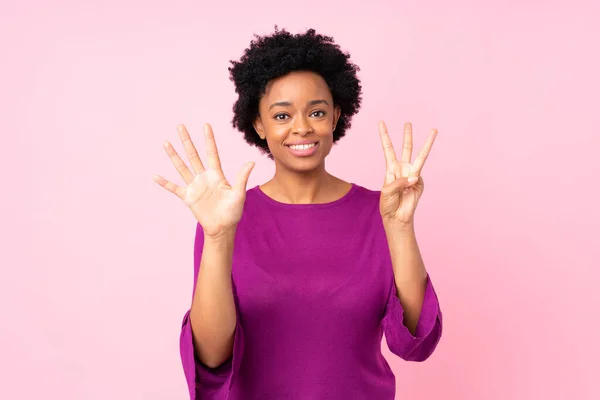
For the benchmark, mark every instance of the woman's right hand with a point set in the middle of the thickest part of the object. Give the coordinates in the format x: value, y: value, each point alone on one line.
x: 214, y: 202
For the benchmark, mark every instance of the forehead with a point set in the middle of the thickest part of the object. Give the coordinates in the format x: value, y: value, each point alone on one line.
x: 297, y: 87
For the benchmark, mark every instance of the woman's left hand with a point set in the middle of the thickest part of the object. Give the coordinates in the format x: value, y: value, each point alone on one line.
x: 403, y: 185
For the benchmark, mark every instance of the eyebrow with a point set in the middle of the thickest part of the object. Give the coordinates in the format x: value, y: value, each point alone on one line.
x: 288, y: 104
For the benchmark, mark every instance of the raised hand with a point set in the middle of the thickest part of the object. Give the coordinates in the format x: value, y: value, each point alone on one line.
x: 403, y: 184
x: 214, y: 202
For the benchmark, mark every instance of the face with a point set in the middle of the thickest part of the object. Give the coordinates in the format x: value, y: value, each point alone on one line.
x: 297, y: 118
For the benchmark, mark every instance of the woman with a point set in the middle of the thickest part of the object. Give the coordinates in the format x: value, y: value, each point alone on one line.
x: 296, y: 280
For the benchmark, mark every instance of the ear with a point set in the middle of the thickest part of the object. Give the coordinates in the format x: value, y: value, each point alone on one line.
x: 337, y: 112
x: 259, y: 128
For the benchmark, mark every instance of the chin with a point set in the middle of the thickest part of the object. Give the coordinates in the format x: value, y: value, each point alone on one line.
x: 301, y: 165
x: 304, y: 167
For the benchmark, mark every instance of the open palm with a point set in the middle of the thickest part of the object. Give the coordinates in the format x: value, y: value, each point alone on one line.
x: 215, y: 203
x: 403, y: 184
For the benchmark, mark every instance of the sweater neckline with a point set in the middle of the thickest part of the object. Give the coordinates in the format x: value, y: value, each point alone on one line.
x: 279, y: 204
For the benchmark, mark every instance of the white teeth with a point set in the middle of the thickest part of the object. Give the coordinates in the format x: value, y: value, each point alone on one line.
x: 302, y: 146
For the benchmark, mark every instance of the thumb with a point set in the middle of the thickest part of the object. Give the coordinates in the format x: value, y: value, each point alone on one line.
x: 402, y: 183
x: 243, y: 175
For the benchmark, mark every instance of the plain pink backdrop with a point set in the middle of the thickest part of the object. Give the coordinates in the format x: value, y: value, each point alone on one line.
x: 96, y: 268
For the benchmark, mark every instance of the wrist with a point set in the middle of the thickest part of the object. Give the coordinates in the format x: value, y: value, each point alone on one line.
x: 399, y: 227
x: 223, y: 237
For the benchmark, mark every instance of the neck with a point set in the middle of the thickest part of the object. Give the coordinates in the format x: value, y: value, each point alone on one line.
x: 317, y: 186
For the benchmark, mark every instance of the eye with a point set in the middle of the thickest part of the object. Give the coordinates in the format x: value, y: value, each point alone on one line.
x: 280, y: 117
x: 318, y: 114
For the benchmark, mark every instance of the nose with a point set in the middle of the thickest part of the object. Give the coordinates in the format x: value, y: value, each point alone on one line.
x: 301, y: 126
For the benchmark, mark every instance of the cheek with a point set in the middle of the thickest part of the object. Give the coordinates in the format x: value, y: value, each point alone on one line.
x: 276, y: 138
x: 326, y: 144
x: 327, y: 137
x: 276, y: 132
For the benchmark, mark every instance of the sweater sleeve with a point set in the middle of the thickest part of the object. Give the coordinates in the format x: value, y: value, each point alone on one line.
x: 206, y: 383
x: 400, y: 341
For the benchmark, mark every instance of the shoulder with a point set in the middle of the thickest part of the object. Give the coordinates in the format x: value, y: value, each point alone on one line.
x: 366, y: 191
x: 366, y: 194
x: 360, y: 202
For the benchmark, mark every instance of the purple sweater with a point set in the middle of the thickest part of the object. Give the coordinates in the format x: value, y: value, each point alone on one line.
x: 314, y: 291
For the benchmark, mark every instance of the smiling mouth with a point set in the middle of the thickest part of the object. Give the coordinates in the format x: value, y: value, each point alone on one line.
x: 300, y: 147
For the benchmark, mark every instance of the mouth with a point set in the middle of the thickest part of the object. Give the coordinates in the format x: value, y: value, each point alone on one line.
x: 304, y: 149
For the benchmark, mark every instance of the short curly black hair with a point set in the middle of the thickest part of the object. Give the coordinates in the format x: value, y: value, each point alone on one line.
x: 280, y: 53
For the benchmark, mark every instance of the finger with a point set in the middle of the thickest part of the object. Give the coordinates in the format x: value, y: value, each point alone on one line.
x: 170, y: 186
x: 407, y: 143
x: 242, y: 179
x: 211, y: 149
x: 386, y: 143
x: 178, y: 163
x: 190, y: 150
x: 422, y: 157
x: 400, y: 184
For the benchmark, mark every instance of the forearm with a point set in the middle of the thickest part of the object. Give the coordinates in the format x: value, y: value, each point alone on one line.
x: 213, y: 313
x: 410, y: 275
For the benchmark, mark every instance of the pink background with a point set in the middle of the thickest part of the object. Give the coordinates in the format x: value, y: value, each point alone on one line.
x: 97, y: 259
